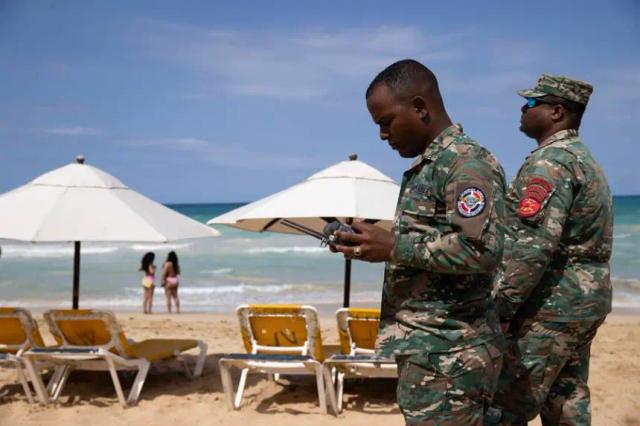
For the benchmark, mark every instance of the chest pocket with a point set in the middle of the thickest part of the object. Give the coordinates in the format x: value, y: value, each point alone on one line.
x: 420, y: 205
x: 420, y: 211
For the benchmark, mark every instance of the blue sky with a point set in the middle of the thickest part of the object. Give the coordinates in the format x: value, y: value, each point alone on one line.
x: 203, y: 101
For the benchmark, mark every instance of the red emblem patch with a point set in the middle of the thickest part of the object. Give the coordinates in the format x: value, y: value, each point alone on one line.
x: 528, y: 207
x: 535, y: 193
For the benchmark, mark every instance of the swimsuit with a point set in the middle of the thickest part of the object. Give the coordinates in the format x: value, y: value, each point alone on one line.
x: 147, y: 281
x: 172, y: 282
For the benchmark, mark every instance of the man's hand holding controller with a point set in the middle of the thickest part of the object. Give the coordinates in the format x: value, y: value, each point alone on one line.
x: 361, y: 240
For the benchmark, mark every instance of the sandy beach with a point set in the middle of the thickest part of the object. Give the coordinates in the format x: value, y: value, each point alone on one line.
x: 170, y: 398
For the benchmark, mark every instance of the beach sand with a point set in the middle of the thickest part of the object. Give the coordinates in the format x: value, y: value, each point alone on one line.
x: 169, y: 398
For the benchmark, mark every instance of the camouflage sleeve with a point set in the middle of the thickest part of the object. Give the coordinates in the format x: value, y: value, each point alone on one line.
x: 544, y: 191
x: 468, y: 237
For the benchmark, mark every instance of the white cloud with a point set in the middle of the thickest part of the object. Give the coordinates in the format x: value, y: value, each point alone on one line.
x: 489, y: 84
x: 190, y: 142
x: 57, y: 131
x: 274, y: 91
x: 517, y: 53
x: 620, y: 84
x: 616, y: 94
x: 325, y: 64
x: 70, y: 131
x: 227, y: 154
x: 292, y: 64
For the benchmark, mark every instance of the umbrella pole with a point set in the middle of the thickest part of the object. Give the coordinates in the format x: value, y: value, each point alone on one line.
x: 347, y: 276
x: 347, y: 283
x: 76, y: 274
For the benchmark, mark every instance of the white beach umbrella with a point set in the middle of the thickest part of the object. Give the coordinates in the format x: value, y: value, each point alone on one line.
x: 79, y: 202
x: 346, y: 191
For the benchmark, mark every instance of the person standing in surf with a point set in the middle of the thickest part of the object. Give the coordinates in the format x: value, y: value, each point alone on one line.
x: 171, y: 280
x: 149, y: 271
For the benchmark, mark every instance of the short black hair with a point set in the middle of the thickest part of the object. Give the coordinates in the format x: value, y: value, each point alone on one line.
x: 574, y: 109
x: 406, y: 78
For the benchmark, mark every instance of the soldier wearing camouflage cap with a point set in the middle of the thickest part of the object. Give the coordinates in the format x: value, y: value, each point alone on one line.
x: 563, y: 87
x: 438, y: 319
x: 553, y: 287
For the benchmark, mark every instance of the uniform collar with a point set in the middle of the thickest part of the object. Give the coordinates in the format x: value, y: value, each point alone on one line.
x: 441, y: 142
x: 558, y: 136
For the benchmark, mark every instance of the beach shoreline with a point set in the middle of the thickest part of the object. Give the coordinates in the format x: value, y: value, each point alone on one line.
x: 168, y: 397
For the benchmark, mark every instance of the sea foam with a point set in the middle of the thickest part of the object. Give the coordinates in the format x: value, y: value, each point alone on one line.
x: 285, y: 250
x: 163, y: 246
x: 46, y: 250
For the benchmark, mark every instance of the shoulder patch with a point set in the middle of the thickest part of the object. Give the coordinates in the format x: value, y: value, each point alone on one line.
x: 471, y: 202
x: 535, y: 193
x: 528, y: 207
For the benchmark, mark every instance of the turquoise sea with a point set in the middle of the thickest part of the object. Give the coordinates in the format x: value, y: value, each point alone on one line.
x: 238, y: 267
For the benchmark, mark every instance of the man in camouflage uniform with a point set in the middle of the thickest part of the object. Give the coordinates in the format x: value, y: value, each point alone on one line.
x: 553, y: 288
x: 438, y: 319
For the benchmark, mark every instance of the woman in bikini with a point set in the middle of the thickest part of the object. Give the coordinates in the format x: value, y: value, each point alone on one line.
x: 170, y: 280
x: 149, y: 270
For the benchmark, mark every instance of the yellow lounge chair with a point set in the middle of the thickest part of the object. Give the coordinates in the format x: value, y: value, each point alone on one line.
x: 358, y: 329
x: 94, y: 340
x: 18, y: 332
x: 279, y: 339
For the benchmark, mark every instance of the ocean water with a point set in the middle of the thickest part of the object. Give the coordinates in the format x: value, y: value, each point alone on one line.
x: 238, y: 267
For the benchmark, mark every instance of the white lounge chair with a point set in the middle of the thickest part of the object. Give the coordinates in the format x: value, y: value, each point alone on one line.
x: 358, y: 329
x: 18, y: 333
x: 279, y: 339
x: 94, y: 340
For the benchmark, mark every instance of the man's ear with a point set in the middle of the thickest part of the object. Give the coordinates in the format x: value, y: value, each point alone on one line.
x: 419, y: 105
x: 558, y: 113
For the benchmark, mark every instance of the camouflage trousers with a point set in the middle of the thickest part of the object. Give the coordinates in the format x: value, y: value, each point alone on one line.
x: 545, y: 372
x: 451, y: 388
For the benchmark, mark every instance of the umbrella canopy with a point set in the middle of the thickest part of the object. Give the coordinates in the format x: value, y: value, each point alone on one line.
x: 346, y: 191
x: 79, y: 202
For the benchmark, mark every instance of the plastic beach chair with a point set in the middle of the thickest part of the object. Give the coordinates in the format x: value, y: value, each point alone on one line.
x: 94, y: 340
x: 279, y: 339
x: 19, y: 332
x: 358, y: 329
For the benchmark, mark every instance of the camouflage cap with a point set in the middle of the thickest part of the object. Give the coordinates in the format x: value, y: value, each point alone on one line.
x: 561, y: 86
